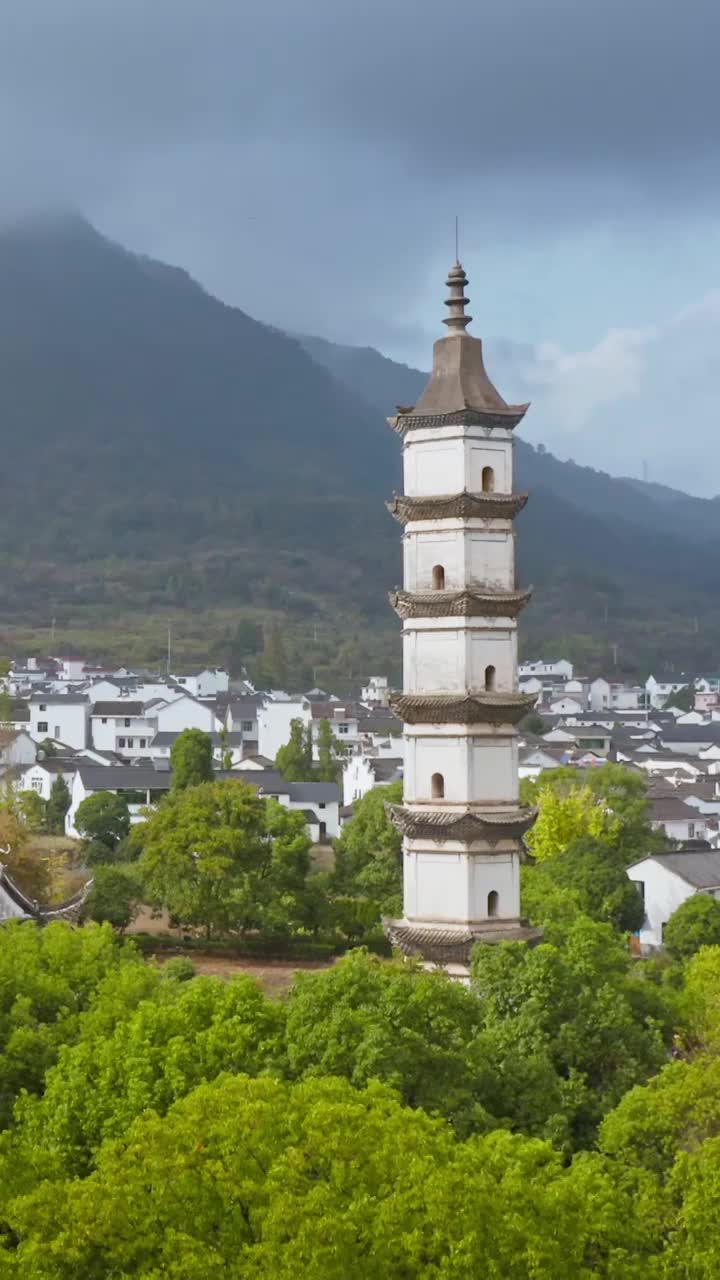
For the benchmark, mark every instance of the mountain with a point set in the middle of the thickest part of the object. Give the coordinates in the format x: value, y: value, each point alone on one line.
x: 167, y: 456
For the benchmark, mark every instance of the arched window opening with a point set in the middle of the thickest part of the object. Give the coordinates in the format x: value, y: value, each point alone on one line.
x: 493, y: 902
x: 438, y: 577
x: 437, y: 786
x: 488, y: 480
x: 489, y: 679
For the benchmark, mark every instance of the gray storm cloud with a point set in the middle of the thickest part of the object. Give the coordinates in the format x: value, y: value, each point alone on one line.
x: 307, y: 160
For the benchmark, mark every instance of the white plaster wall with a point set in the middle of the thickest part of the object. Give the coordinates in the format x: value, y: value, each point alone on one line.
x: 358, y: 779
x: 490, y: 559
x: 664, y: 893
x: 434, y: 467
x: 490, y: 453
x: 497, y: 648
x: 274, y: 725
x: 454, y: 887
x: 455, y: 660
x: 185, y: 713
x: 475, y: 770
x: 71, y: 721
x: 468, y: 553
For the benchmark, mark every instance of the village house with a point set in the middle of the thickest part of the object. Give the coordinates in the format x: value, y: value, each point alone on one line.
x: 64, y: 717
x: 559, y: 669
x: 666, y: 880
x: 362, y: 772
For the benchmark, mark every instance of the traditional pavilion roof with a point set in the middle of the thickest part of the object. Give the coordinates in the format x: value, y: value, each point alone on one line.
x: 31, y: 909
x: 459, y: 384
x: 466, y: 824
x: 470, y: 602
x: 464, y: 506
x: 472, y: 708
x: 443, y: 944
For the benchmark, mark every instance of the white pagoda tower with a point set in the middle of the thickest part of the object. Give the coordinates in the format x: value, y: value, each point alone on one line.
x: 461, y: 821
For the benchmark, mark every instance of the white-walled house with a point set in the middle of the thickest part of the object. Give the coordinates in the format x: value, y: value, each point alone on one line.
x: 376, y: 693
x: 363, y: 772
x: 207, y: 682
x: 274, y: 720
x: 566, y: 706
x: 677, y: 819
x: 184, y: 712
x: 666, y: 880
x: 560, y: 669
x: 140, y: 784
x: 660, y: 690
x: 122, y: 726
x: 16, y: 748
x: 40, y: 776
x: 65, y: 717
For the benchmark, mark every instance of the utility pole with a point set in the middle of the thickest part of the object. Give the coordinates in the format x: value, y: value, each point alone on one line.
x: 169, y: 650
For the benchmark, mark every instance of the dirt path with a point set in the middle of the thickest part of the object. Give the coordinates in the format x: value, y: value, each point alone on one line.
x: 274, y: 976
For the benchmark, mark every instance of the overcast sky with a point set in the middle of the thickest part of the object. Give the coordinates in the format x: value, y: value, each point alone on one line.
x: 306, y: 161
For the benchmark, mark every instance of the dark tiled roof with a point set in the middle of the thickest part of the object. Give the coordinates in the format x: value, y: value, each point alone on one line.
x: 709, y: 733
x: 671, y: 809
x: 123, y: 707
x: 700, y: 869
x: 59, y: 699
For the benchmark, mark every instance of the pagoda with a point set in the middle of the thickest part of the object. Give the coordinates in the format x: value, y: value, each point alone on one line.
x: 461, y: 820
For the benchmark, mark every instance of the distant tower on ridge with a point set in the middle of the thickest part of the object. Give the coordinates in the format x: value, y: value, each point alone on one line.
x: 461, y: 820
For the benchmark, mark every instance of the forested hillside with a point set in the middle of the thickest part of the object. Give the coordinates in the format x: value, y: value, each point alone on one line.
x: 166, y: 458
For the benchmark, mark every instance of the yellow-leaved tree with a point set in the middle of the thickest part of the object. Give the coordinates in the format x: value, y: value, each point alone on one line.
x: 566, y: 816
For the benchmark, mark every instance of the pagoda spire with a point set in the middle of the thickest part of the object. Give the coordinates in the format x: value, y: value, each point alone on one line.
x: 457, y: 281
x: 459, y: 382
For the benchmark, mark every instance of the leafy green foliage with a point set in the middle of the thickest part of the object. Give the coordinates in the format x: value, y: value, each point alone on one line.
x: 57, y: 806
x: 245, y: 1178
x: 329, y: 754
x: 176, y: 1035
x: 103, y: 820
x: 116, y: 895
x: 577, y: 1000
x: 368, y: 852
x: 218, y: 857
x: 695, y: 924
x: 191, y: 759
x: 608, y: 804
x: 32, y: 810
x: 47, y: 977
x: 295, y: 759
x: 594, y: 873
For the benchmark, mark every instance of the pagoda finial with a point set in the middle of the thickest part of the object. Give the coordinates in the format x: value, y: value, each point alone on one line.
x: 456, y: 303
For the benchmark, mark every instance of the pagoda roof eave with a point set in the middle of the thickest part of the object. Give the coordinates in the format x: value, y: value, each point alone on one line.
x: 471, y: 602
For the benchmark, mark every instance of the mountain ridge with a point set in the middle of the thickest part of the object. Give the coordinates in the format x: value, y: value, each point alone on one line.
x: 164, y: 450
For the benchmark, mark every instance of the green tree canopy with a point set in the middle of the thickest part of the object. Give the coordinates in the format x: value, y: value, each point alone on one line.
x: 608, y: 803
x: 295, y: 759
x: 103, y: 820
x: 191, y: 759
x: 695, y: 924
x: 33, y: 810
x: 47, y: 977
x: 330, y: 754
x: 116, y: 895
x: 217, y: 856
x: 368, y: 852
x: 57, y: 806
x: 595, y: 873
x: 252, y: 1177
x: 176, y: 1035
x: 576, y: 997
